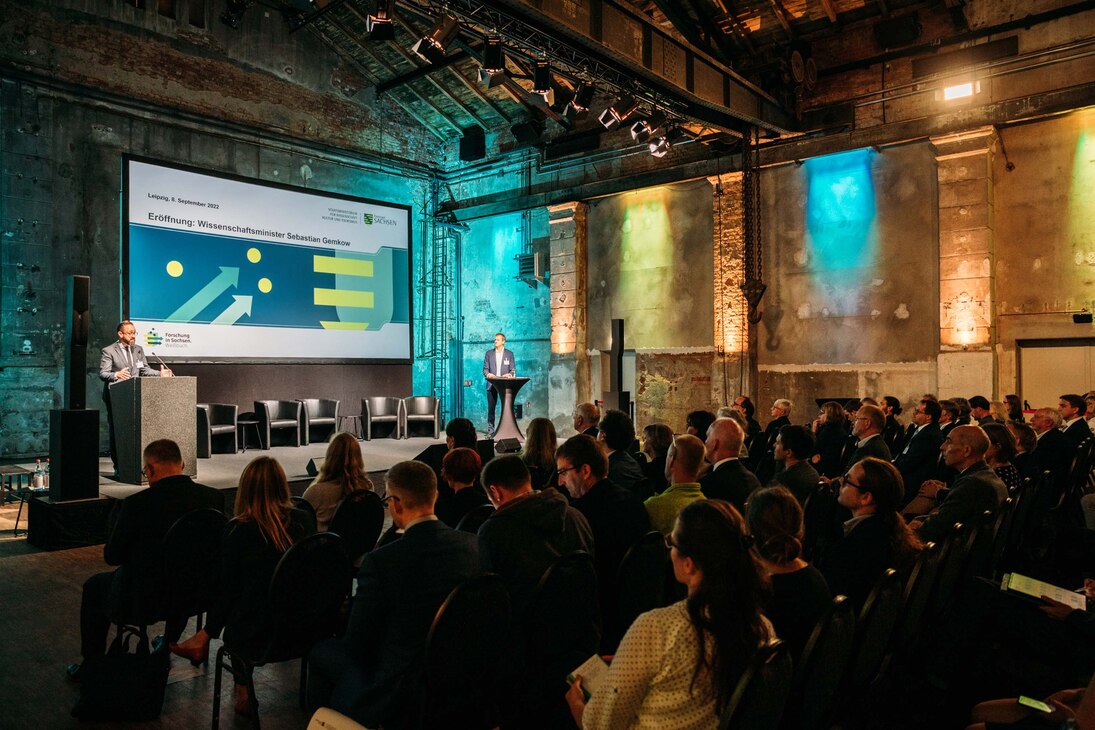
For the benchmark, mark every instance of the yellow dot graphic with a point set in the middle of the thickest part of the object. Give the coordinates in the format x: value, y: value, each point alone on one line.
x: 174, y: 268
x: 254, y: 255
x: 265, y: 286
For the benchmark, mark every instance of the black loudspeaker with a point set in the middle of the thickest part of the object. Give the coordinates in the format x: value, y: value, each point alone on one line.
x: 473, y: 144
x: 526, y: 133
x: 76, y: 328
x: 897, y: 32
x: 73, y: 455
x: 507, y: 446
x: 62, y: 525
x: 314, y: 465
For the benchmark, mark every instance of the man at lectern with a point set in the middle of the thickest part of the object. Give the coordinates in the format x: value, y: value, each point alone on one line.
x: 123, y: 360
x: 499, y: 362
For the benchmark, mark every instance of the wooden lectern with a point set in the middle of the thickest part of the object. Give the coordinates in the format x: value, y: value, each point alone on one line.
x: 507, y: 387
x: 149, y: 409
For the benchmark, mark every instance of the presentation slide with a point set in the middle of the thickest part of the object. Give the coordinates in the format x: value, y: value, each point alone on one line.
x: 216, y: 268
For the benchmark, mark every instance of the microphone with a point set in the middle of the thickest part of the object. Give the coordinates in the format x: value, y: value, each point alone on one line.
x: 158, y: 358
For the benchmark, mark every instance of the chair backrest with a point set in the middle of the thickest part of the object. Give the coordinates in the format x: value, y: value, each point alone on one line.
x: 464, y: 649
x: 302, y: 503
x: 980, y: 553
x: 918, y: 591
x: 821, y: 668
x: 359, y: 520
x: 421, y: 405
x: 874, y: 630
x: 640, y: 579
x: 380, y: 406
x: 474, y: 519
x: 222, y: 414
x: 760, y: 696
x: 952, y: 561
x: 563, y: 624
x: 311, y: 581
x: 1003, y: 537
x: 189, y: 563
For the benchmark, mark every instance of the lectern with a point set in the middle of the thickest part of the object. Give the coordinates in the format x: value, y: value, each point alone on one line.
x: 507, y: 387
x: 149, y: 409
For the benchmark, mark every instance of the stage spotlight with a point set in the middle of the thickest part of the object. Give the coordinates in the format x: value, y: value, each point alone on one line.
x: 541, y: 77
x: 233, y: 13
x: 493, y: 70
x: 379, y: 24
x: 620, y: 110
x: 431, y: 47
x: 579, y: 104
x: 644, y: 129
x: 659, y: 147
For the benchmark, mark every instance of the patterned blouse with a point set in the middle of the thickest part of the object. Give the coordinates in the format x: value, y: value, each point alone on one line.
x: 647, y: 684
x: 1009, y: 475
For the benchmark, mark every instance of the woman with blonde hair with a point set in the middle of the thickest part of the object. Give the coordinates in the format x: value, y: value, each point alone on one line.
x: 342, y: 472
x: 830, y: 436
x: 265, y: 525
x: 539, y: 452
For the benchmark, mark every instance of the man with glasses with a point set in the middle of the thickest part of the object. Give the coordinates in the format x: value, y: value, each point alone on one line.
x: 134, y: 545
x: 867, y: 425
x: 372, y: 674
x: 120, y: 361
x: 917, y: 460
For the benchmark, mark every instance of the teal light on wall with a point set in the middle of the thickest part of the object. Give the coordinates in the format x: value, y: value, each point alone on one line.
x: 840, y: 210
x: 1081, y: 196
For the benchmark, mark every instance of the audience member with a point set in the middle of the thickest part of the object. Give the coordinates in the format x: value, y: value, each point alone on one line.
x: 964, y: 411
x: 918, y: 458
x: 830, y: 435
x: 1000, y: 453
x: 752, y: 428
x: 800, y: 594
x: 617, y: 434
x: 696, y: 423
x: 460, y: 471
x: 976, y: 489
x: 875, y: 538
x: 781, y: 409
x: 460, y: 433
x: 998, y: 412
x: 1089, y: 414
x: 1072, y: 408
x: 794, y: 446
x: 979, y: 410
x: 657, y: 438
x: 1000, y: 714
x: 762, y: 458
x: 586, y: 418
x: 892, y: 433
x: 528, y: 531
x: 682, y: 467
x: 1026, y: 440
x: 743, y: 452
x: 1053, y: 451
x: 677, y: 666
x: 728, y: 479
x: 265, y: 525
x: 342, y: 472
x: 948, y: 418
x: 539, y: 452
x: 851, y: 408
x: 867, y: 428
x: 134, y: 545
x: 373, y: 673
x: 1014, y: 408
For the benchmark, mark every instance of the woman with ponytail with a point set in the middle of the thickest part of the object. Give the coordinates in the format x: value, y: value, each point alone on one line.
x: 265, y: 525
x: 799, y: 592
x: 677, y: 666
x: 342, y: 472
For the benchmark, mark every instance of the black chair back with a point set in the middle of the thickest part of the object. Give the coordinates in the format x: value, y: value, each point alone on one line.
x: 918, y: 591
x: 563, y: 625
x: 760, y: 696
x: 302, y: 504
x: 980, y: 553
x: 190, y: 563
x: 464, y: 648
x: 821, y: 668
x: 474, y: 519
x: 1008, y: 513
x: 358, y: 520
x: 875, y: 627
x: 952, y: 563
x: 640, y: 582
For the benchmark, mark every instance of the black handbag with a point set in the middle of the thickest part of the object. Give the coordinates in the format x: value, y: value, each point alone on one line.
x: 124, y: 685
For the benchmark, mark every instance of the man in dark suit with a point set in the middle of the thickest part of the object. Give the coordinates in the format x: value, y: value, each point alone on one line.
x: 498, y: 361
x: 763, y: 459
x: 867, y: 426
x: 794, y: 446
x: 617, y: 434
x: 615, y: 515
x: 728, y: 478
x: 948, y: 417
x: 1053, y: 453
x: 372, y: 673
x: 975, y: 490
x: 918, y: 458
x: 135, y: 544
x: 586, y: 418
x: 979, y: 410
x: 120, y: 361
x: 1072, y: 407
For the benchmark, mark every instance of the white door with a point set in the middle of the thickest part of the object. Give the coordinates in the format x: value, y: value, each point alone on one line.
x: 1050, y: 368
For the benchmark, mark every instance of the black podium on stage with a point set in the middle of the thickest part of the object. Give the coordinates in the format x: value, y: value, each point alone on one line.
x: 148, y: 409
x: 507, y: 387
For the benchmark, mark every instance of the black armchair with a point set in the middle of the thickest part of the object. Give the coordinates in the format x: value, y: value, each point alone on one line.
x: 278, y: 415
x: 216, y: 420
x: 382, y: 410
x: 320, y: 414
x: 422, y: 409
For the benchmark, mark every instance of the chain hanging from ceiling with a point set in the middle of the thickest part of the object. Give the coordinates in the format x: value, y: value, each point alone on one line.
x: 752, y: 286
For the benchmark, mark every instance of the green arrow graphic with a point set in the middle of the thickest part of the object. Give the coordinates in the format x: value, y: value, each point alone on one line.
x: 228, y: 277
x: 235, y: 310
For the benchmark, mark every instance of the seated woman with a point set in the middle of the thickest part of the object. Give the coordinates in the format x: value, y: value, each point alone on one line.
x: 677, y: 666
x: 1002, y: 449
x: 539, y: 452
x: 799, y: 592
x: 876, y: 538
x: 657, y: 438
x: 460, y: 470
x: 265, y: 525
x: 1026, y: 440
x: 342, y: 472
x: 830, y: 437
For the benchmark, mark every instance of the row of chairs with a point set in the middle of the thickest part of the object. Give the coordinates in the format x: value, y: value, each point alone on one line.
x: 303, y: 421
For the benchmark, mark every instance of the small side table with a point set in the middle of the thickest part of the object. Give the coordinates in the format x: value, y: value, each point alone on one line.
x: 16, y: 490
x: 242, y: 425
x: 355, y: 425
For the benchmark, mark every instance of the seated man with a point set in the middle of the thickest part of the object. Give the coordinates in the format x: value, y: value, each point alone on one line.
x: 682, y: 467
x: 135, y: 544
x: 794, y: 446
x: 918, y: 457
x: 617, y: 434
x: 371, y: 673
x: 728, y: 478
x: 586, y: 418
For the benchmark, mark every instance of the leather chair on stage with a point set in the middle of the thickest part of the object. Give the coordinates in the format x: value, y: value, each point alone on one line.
x: 318, y: 419
x: 382, y: 410
x: 422, y: 409
x: 278, y: 415
x: 216, y: 420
